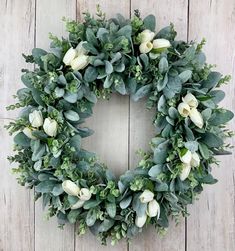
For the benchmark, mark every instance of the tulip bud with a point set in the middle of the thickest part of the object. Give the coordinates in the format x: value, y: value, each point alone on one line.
x: 28, y: 132
x: 146, y: 196
x: 146, y: 36
x: 69, y: 56
x: 190, y: 100
x: 80, y: 49
x: 185, y: 171
x: 140, y: 221
x: 80, y: 62
x: 70, y: 188
x: 78, y: 204
x: 195, y: 162
x: 161, y: 43
x: 187, y: 157
x: 145, y: 47
x: 196, y: 117
x: 35, y: 118
x: 153, y: 209
x: 184, y: 109
x: 50, y: 127
x: 84, y: 194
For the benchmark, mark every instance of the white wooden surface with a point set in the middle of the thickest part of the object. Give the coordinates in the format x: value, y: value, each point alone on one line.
x: 125, y: 129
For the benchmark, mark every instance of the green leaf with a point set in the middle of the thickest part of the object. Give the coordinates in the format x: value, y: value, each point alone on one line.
x: 45, y: 186
x: 191, y: 145
x: 57, y: 190
x: 22, y: 140
x: 72, y: 116
x: 26, y: 79
x: 71, y: 97
x: 150, y: 22
x: 189, y: 133
x: 125, y: 31
x: 204, y: 151
x: 161, y: 187
x: 138, y: 207
x: 155, y: 170
x: 120, y: 87
x: 91, y: 217
x: 111, y: 209
x: 90, y: 74
x: 125, y: 202
x: 90, y: 204
x: 89, y: 47
x: 217, y: 95
x: 141, y: 92
x: 211, y: 140
x: 145, y: 59
x: 106, y: 225
x: 73, y: 215
x: 185, y: 76
x: 221, y: 117
x: 206, y: 114
x: 173, y: 113
x: 108, y: 67
x: 212, y: 80
x: 161, y: 105
x: 108, y: 82
x: 75, y: 142
x: 208, y: 179
x: 173, y: 87
x: 160, y: 153
x: 90, y: 37
x: 162, y: 83
x: 38, y: 150
x: 163, y: 65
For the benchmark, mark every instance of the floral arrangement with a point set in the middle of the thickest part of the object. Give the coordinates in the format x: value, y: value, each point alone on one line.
x: 128, y: 57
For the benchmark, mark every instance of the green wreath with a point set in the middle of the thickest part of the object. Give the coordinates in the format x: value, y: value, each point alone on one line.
x: 125, y: 56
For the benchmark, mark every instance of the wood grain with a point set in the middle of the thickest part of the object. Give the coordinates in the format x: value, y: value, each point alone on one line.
x: 16, y: 203
x: 49, y: 14
x: 211, y: 224
x: 141, y: 128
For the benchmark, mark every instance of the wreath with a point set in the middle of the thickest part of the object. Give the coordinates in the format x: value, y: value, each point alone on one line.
x: 101, y: 57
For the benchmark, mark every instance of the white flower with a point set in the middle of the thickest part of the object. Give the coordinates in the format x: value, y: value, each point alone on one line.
x: 146, y: 36
x: 190, y: 100
x: 80, y: 62
x: 161, y: 43
x: 196, y: 117
x: 84, y: 194
x: 185, y: 171
x: 50, y: 127
x: 78, y: 204
x: 80, y: 50
x: 35, y: 118
x: 70, y: 188
x: 184, y: 109
x: 140, y: 221
x: 187, y: 157
x: 195, y: 161
x: 145, y: 47
x: 153, y: 209
x: 28, y: 132
x: 146, y: 196
x: 69, y: 56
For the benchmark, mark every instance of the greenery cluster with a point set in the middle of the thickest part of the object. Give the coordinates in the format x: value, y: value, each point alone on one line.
x: 47, y: 157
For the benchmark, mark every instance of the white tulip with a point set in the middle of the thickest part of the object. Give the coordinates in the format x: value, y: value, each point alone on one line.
x: 195, y: 161
x: 69, y: 56
x: 78, y: 204
x: 146, y: 196
x: 140, y: 221
x: 145, y: 47
x: 196, y: 117
x: 187, y: 157
x: 146, y: 36
x: 190, y: 100
x: 70, y: 188
x: 80, y: 50
x: 35, y: 118
x: 80, y: 62
x: 185, y: 171
x: 161, y: 43
x: 153, y: 209
x: 50, y: 127
x: 184, y: 109
x: 84, y: 194
x: 28, y: 132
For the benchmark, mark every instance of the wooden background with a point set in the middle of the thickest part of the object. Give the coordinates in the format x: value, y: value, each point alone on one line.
x: 121, y: 126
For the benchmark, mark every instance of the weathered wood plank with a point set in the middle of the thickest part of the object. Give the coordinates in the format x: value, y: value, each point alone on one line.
x: 48, y: 19
x: 141, y: 129
x: 211, y: 225
x: 16, y: 203
x: 110, y: 122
